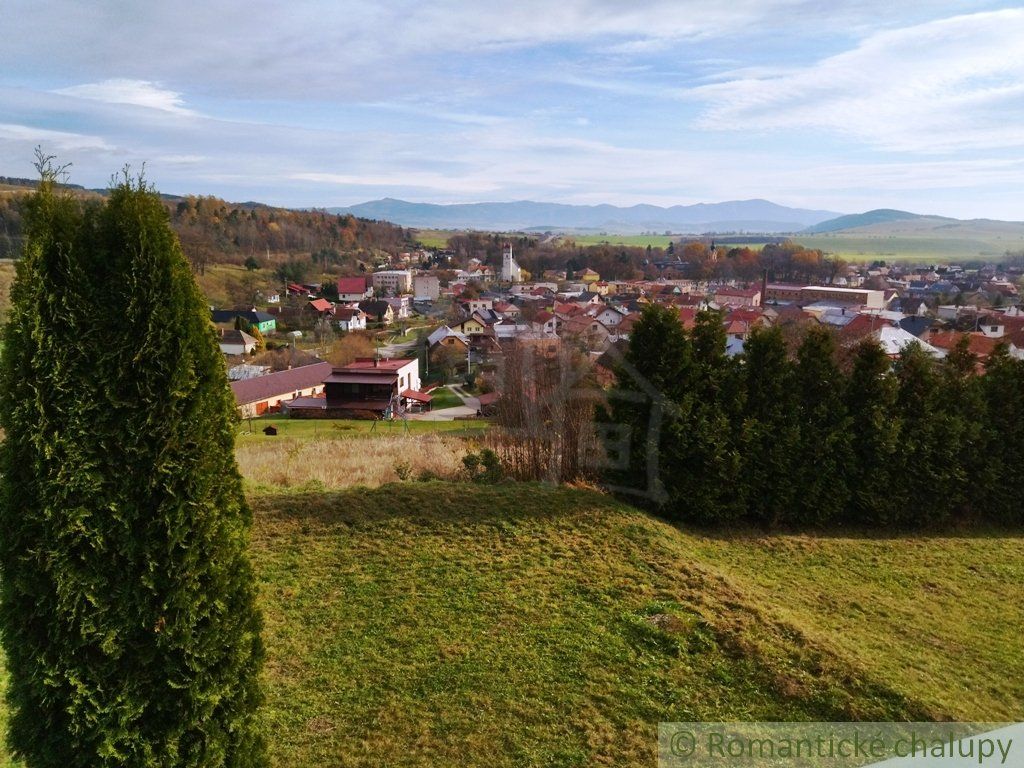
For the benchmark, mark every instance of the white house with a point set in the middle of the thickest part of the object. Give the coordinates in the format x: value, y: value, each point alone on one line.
x: 350, y: 318
x: 233, y: 343
x: 400, y: 305
x: 354, y: 289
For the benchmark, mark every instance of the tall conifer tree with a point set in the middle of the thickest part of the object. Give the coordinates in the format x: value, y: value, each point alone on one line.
x: 128, y: 604
x: 874, y: 436
x: 709, y: 482
x: 823, y: 457
x: 923, y: 476
x: 1002, y: 483
x: 770, y: 428
x: 652, y: 400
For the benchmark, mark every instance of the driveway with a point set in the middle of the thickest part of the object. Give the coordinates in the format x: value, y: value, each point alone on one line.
x: 444, y: 414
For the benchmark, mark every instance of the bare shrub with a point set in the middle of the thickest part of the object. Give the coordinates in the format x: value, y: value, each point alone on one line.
x: 544, y: 420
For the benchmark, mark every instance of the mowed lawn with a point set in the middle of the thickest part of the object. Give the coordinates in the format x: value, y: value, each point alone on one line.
x: 438, y: 623
x: 940, y: 618
x: 443, y: 397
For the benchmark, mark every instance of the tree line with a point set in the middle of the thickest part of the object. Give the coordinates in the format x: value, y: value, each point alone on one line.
x: 213, y: 231
x: 774, y: 438
x: 694, y: 259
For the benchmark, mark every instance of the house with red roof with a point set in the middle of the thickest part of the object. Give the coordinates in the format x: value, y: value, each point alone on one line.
x: 266, y: 394
x: 369, y: 387
x: 354, y: 289
x: 322, y: 307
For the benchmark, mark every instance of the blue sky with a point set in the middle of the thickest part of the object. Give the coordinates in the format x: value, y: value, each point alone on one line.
x: 838, y: 105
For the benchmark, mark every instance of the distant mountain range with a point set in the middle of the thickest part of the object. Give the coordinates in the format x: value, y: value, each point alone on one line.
x: 735, y: 216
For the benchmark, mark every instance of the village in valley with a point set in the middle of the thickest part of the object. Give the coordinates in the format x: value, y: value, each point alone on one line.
x: 452, y: 333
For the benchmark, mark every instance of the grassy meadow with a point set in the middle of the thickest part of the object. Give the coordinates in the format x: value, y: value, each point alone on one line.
x: 445, y: 623
x: 641, y: 241
x: 321, y: 429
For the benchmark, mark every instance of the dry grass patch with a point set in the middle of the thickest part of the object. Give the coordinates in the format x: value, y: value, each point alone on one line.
x: 343, y: 463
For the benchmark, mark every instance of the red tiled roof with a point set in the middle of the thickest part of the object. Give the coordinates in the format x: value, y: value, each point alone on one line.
x: 391, y: 364
x: 862, y: 325
x: 745, y: 292
x: 687, y: 316
x: 321, y: 305
x: 281, y: 383
x: 352, y: 285
x: 419, y: 397
x: 979, y: 344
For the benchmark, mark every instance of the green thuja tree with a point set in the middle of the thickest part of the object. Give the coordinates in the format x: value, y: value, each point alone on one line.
x: 709, y: 488
x: 924, y: 472
x: 649, y: 408
x: 1001, y: 487
x: 873, y: 474
x: 823, y: 455
x: 771, y: 430
x: 127, y: 603
x: 964, y: 439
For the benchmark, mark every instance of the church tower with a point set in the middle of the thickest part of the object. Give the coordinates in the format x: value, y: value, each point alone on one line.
x: 510, y: 271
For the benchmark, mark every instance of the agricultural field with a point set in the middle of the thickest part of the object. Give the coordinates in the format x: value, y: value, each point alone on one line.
x: 433, y: 238
x: 228, y: 285
x: 641, y: 241
x: 866, y: 247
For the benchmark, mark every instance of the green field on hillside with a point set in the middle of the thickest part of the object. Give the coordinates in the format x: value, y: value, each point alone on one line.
x: 641, y: 241
x: 433, y: 238
x: 858, y: 247
x: 867, y: 248
x: 425, y: 624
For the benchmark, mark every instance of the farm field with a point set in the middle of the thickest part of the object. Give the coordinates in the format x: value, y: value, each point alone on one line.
x: 433, y: 238
x: 906, y: 247
x: 435, y: 623
x: 641, y: 241
x: 867, y: 248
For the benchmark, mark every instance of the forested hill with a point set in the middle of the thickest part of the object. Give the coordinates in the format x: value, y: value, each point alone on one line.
x: 212, y: 229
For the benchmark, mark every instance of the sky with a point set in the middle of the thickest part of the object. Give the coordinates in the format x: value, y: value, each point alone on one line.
x: 844, y: 105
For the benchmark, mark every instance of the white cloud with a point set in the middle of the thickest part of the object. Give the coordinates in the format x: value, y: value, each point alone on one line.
x: 371, y: 48
x: 941, y: 86
x: 59, y: 140
x: 139, y: 93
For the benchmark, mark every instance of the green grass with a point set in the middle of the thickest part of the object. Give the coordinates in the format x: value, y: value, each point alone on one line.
x: 425, y: 624
x: 433, y: 238
x: 950, y: 608
x: 924, y: 248
x: 311, y: 429
x: 445, y: 624
x: 642, y: 241
x: 444, y: 398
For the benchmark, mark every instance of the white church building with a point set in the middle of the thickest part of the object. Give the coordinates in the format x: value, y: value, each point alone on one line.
x: 511, y: 272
